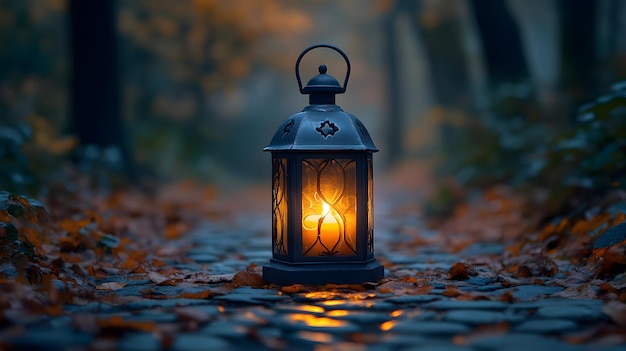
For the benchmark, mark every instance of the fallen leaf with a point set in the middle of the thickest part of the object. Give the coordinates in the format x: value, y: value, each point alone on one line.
x: 507, y: 296
x: 116, y: 322
x: 197, y: 295
x: 461, y: 271
x: 611, y: 259
x: 248, y: 278
x: 293, y: 289
x: 533, y: 265
x: 220, y: 278
x: 110, y: 286
x: 129, y: 264
x: 394, y: 286
x: 451, y: 291
x: 158, y: 278
x: 617, y: 312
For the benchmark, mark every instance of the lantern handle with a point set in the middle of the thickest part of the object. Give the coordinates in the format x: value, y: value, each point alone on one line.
x: 345, y: 82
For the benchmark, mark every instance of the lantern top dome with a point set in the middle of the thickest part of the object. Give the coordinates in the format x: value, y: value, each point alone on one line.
x: 323, y: 83
x: 322, y: 126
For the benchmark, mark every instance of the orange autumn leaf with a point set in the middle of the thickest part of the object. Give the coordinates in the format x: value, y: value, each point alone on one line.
x: 611, y: 257
x: 129, y: 264
x: 583, y: 227
x: 74, y: 226
x: 4, y: 216
x: 461, y: 271
x: 116, y: 322
x: 607, y: 287
x: 96, y: 272
x: 451, y: 291
x: 54, y: 310
x: 196, y: 295
x: 248, y: 278
x: 293, y: 289
x: 157, y: 263
x: 174, y: 231
x: 507, y: 296
x: 420, y: 290
x: 394, y: 286
x: 139, y: 269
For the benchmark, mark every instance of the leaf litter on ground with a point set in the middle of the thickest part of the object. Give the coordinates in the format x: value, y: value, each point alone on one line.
x: 85, y: 237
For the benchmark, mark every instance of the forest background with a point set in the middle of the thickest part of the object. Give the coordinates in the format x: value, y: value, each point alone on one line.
x: 487, y: 92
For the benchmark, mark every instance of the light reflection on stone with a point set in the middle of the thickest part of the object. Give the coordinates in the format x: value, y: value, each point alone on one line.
x: 333, y: 302
x: 316, y: 322
x: 337, y: 313
x: 315, y: 336
x: 387, y: 325
x: 322, y: 295
x: 396, y: 313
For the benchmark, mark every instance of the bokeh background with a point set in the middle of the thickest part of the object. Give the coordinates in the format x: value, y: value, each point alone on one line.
x: 196, y: 88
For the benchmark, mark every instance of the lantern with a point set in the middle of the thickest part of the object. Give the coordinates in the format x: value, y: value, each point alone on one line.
x: 322, y: 206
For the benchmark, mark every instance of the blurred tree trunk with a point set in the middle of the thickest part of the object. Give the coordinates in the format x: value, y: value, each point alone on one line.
x: 578, y: 52
x: 95, y: 95
x: 502, y: 46
x: 393, y: 133
x: 442, y: 42
x: 441, y: 33
x: 441, y: 38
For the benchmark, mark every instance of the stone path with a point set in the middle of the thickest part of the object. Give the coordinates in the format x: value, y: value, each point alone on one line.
x: 249, y: 318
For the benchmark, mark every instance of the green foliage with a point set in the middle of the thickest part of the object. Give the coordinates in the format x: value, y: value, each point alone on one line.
x: 575, y: 166
x: 497, y: 146
x: 589, y: 160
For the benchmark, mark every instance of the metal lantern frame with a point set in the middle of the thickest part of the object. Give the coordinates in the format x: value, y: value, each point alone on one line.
x: 322, y: 191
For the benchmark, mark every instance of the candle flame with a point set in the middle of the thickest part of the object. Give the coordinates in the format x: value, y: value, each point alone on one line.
x: 325, y: 208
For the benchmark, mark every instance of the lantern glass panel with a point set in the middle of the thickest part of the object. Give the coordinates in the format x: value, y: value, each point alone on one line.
x: 329, y: 211
x: 279, y: 207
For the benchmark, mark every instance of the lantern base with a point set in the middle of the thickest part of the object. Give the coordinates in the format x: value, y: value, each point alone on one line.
x: 326, y: 273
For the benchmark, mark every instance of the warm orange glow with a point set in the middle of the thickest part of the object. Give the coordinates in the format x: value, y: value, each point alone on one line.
x: 396, y: 313
x: 459, y: 340
x: 329, y: 228
x: 337, y: 313
x: 316, y: 336
x: 310, y: 308
x: 329, y: 221
x: 322, y: 295
x: 388, y: 325
x: 316, y: 322
x: 328, y: 207
x: 253, y: 317
x: 333, y: 302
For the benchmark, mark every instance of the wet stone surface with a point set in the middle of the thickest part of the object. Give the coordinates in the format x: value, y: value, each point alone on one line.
x: 148, y: 316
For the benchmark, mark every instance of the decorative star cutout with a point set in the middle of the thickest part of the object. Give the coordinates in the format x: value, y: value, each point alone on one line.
x: 327, y: 128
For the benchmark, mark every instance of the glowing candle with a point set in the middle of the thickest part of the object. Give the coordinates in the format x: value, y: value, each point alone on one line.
x: 321, y: 231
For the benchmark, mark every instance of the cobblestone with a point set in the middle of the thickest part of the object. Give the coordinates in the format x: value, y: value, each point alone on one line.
x: 266, y: 318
